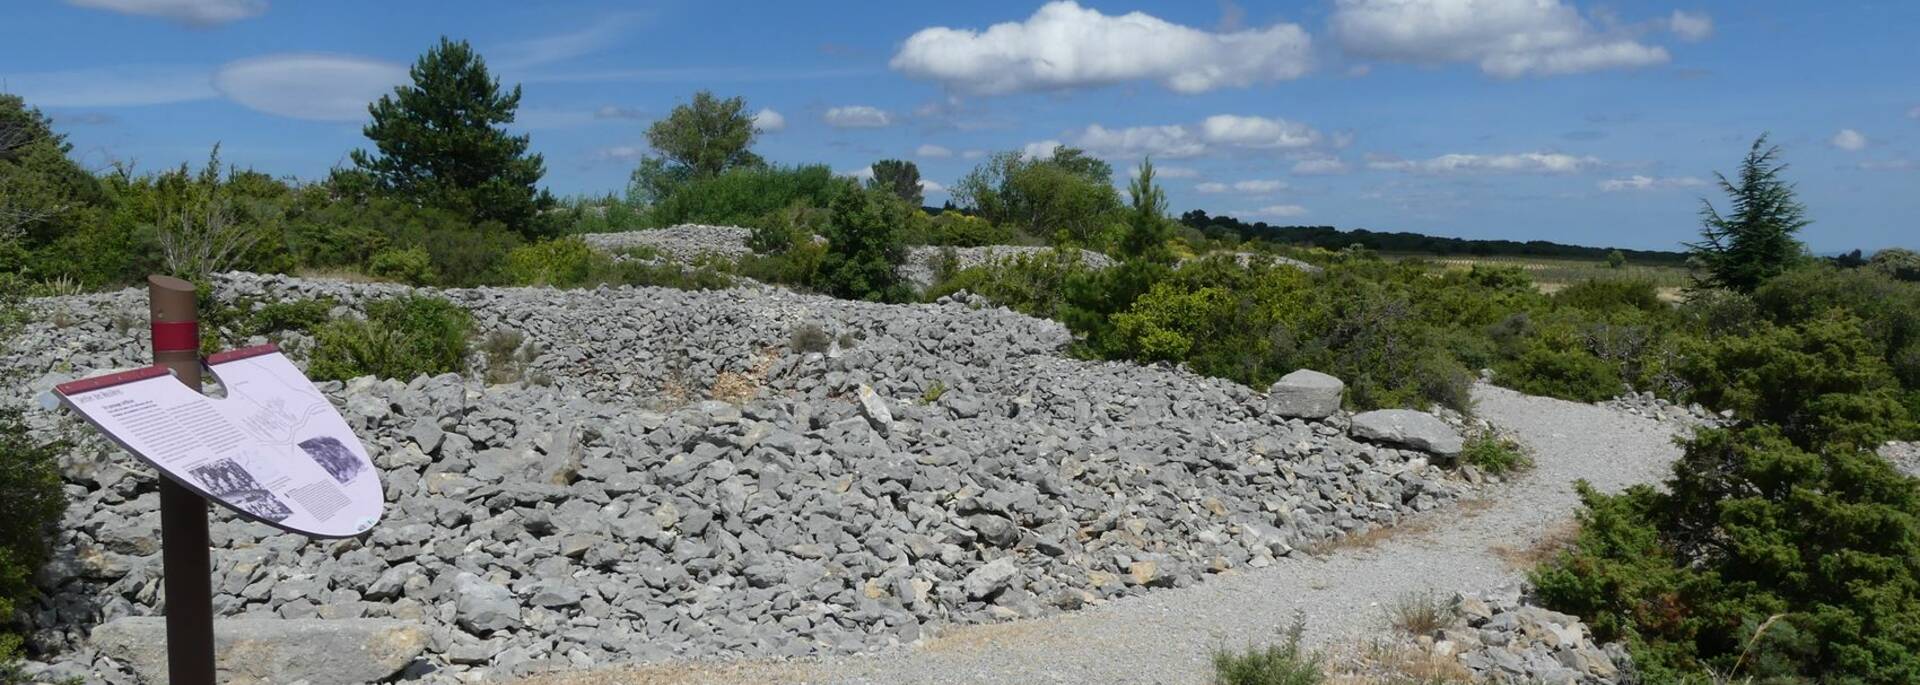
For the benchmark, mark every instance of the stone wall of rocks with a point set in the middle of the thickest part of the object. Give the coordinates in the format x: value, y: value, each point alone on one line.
x: 1660, y: 409
x: 946, y: 464
x: 684, y: 243
x: 922, y: 260
x: 1503, y: 638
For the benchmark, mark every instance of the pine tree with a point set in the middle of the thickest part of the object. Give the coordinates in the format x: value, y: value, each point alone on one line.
x: 1147, y: 226
x: 1741, y: 250
x: 900, y: 177
x: 442, y: 143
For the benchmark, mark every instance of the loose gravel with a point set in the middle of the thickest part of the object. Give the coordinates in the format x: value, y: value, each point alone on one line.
x: 1167, y: 637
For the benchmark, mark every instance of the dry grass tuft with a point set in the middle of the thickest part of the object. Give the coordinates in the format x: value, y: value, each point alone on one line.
x: 1421, y: 613
x: 1395, y: 663
x: 1559, y: 536
x: 740, y: 387
x: 1420, y: 524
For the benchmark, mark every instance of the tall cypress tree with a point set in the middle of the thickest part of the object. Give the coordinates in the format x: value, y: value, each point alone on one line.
x: 442, y: 143
x: 1755, y: 242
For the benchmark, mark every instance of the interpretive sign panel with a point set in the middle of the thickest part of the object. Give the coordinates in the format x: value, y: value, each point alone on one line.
x: 273, y: 450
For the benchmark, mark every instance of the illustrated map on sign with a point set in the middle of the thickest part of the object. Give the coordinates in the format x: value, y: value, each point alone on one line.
x: 274, y: 449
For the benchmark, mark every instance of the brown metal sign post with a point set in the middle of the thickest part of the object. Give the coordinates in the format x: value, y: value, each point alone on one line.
x: 183, y: 513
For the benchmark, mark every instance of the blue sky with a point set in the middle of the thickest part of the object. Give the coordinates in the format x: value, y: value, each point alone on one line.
x: 1567, y: 120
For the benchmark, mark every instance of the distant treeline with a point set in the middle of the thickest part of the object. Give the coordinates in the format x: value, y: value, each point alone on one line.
x: 1400, y: 242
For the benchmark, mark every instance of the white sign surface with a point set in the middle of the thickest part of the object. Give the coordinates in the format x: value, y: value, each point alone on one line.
x: 273, y: 450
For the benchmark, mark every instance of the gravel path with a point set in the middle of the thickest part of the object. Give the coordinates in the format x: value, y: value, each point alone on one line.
x: 1165, y: 637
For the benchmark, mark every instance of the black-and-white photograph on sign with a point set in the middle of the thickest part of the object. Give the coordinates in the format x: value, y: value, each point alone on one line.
x: 339, y: 461
x: 226, y: 480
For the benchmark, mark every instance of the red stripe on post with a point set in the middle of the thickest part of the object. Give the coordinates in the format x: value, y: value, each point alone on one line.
x: 174, y: 336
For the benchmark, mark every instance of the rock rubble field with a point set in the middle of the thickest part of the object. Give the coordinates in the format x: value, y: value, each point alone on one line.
x: 689, y: 243
x: 675, y: 480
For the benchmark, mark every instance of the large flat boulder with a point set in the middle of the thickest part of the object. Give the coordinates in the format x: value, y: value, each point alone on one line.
x: 1408, y: 428
x: 271, y: 650
x: 1305, y: 394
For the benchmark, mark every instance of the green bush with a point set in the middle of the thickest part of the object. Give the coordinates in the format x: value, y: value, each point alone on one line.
x: 287, y: 315
x: 562, y: 262
x: 1820, y: 381
x: 864, y: 248
x: 1286, y: 663
x: 470, y: 257
x: 809, y: 338
x: 784, y: 228
x: 960, y: 230
x: 1494, y: 455
x: 1067, y: 198
x: 1611, y: 295
x: 412, y: 266
x: 607, y: 214
x: 31, y: 503
x: 742, y: 196
x: 1749, y: 527
x: 669, y: 275
x: 1889, y: 310
x: 399, y: 338
x: 1572, y: 373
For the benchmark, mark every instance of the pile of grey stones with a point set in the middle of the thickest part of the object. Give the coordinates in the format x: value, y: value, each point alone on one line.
x: 1503, y: 638
x: 688, y: 243
x: 1904, y: 456
x: 682, y: 243
x: 1657, y: 408
x: 921, y: 265
x: 692, y: 478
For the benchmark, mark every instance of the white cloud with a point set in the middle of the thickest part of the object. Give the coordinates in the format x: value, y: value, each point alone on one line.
x: 858, y: 116
x: 768, y: 121
x: 1159, y: 141
x: 1216, y: 134
x: 1040, y: 149
x: 319, y: 87
x: 1064, y: 45
x: 932, y: 187
x: 1849, y: 140
x: 1638, y: 182
x: 119, y: 86
x: 864, y: 173
x: 1166, y: 172
x: 1506, y: 38
x: 932, y: 151
x: 560, y: 47
x: 1282, y: 211
x: 1320, y: 166
x: 1888, y: 165
x: 617, y: 112
x: 972, y: 154
x: 1913, y: 113
x: 623, y: 153
x: 1257, y: 132
x: 1523, y: 163
x: 1691, y: 26
x: 190, y: 12
x: 1249, y: 187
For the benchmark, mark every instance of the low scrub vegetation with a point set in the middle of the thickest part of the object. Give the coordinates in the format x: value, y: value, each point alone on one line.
x: 1421, y: 613
x: 399, y: 338
x: 1287, y: 662
x: 1494, y: 455
x: 31, y: 501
